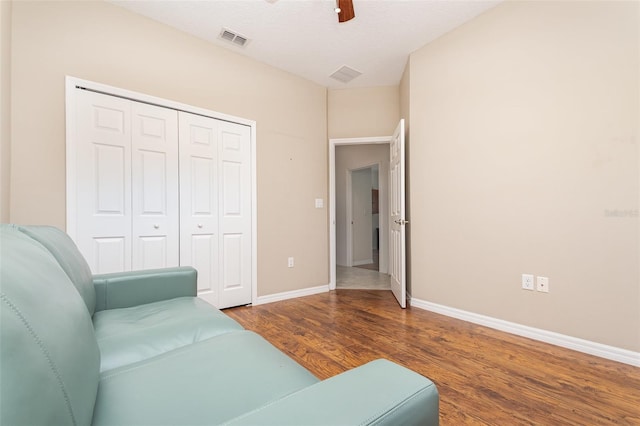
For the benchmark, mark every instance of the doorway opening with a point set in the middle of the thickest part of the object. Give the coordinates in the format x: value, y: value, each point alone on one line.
x: 359, y: 214
x: 364, y: 196
x: 394, y: 241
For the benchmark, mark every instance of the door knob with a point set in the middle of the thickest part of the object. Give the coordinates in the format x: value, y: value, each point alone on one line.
x: 401, y: 221
x: 156, y: 226
x: 199, y: 225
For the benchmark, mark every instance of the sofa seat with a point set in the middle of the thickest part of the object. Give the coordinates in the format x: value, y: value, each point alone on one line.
x: 129, y: 335
x: 209, y: 382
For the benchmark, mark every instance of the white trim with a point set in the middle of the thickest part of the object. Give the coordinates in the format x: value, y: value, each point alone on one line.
x: 72, y: 83
x: 363, y: 262
x: 585, y: 346
x: 332, y: 214
x: 277, y: 297
x: 71, y: 157
x: 332, y: 194
x: 254, y: 213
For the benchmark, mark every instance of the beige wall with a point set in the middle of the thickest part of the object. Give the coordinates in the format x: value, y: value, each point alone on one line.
x: 5, y: 108
x: 404, y: 96
x: 355, y: 113
x: 101, y: 42
x: 524, y: 159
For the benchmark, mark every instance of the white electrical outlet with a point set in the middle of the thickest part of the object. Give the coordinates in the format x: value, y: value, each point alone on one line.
x: 290, y: 262
x: 543, y: 284
x: 527, y: 281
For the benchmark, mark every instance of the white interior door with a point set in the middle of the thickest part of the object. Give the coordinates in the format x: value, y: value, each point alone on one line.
x: 199, y: 200
x: 102, y: 181
x: 154, y: 187
x: 235, y: 214
x: 397, y: 252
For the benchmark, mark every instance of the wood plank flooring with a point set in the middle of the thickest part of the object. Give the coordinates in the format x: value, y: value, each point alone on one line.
x: 484, y: 376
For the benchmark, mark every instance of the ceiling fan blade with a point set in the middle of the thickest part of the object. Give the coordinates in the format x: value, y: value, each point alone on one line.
x: 346, y: 10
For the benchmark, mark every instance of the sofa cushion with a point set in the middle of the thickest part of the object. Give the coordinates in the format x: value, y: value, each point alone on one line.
x: 49, y: 360
x: 208, y: 382
x: 69, y: 257
x: 133, y: 334
x: 377, y: 393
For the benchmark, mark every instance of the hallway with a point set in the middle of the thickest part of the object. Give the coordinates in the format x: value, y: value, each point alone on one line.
x: 361, y: 279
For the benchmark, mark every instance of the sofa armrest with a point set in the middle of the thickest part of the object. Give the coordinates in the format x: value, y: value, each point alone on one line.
x: 380, y: 393
x: 125, y: 289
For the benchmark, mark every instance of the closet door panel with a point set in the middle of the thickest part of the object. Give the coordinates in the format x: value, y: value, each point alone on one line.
x: 103, y: 173
x: 232, y: 261
x: 235, y: 214
x: 203, y: 253
x: 199, y: 246
x: 109, y: 254
x: 154, y: 187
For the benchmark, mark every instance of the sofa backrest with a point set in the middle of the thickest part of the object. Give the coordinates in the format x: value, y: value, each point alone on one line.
x: 69, y: 257
x: 49, y: 358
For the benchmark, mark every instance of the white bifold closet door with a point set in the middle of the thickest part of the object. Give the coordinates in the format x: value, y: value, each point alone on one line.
x: 215, y: 207
x: 156, y: 187
x: 127, y: 184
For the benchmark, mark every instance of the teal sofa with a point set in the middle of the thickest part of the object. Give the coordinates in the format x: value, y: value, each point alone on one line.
x: 138, y: 348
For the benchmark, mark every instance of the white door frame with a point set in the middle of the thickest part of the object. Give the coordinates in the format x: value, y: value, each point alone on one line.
x: 332, y: 193
x: 71, y: 86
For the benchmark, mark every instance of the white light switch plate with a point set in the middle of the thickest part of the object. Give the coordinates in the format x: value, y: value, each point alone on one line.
x: 319, y: 203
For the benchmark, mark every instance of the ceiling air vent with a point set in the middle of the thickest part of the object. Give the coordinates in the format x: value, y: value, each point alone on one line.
x: 233, y: 37
x: 345, y: 74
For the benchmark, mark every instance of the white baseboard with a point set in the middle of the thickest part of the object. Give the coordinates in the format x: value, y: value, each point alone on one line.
x: 362, y: 262
x: 261, y: 300
x: 592, y: 348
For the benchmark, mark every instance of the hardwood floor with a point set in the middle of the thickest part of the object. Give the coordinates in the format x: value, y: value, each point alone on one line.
x: 484, y: 376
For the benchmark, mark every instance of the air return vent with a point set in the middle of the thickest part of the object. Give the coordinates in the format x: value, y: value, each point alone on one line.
x: 233, y: 38
x: 345, y: 74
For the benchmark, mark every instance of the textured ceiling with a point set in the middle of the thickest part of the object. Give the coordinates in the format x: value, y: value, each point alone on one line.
x: 304, y: 37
